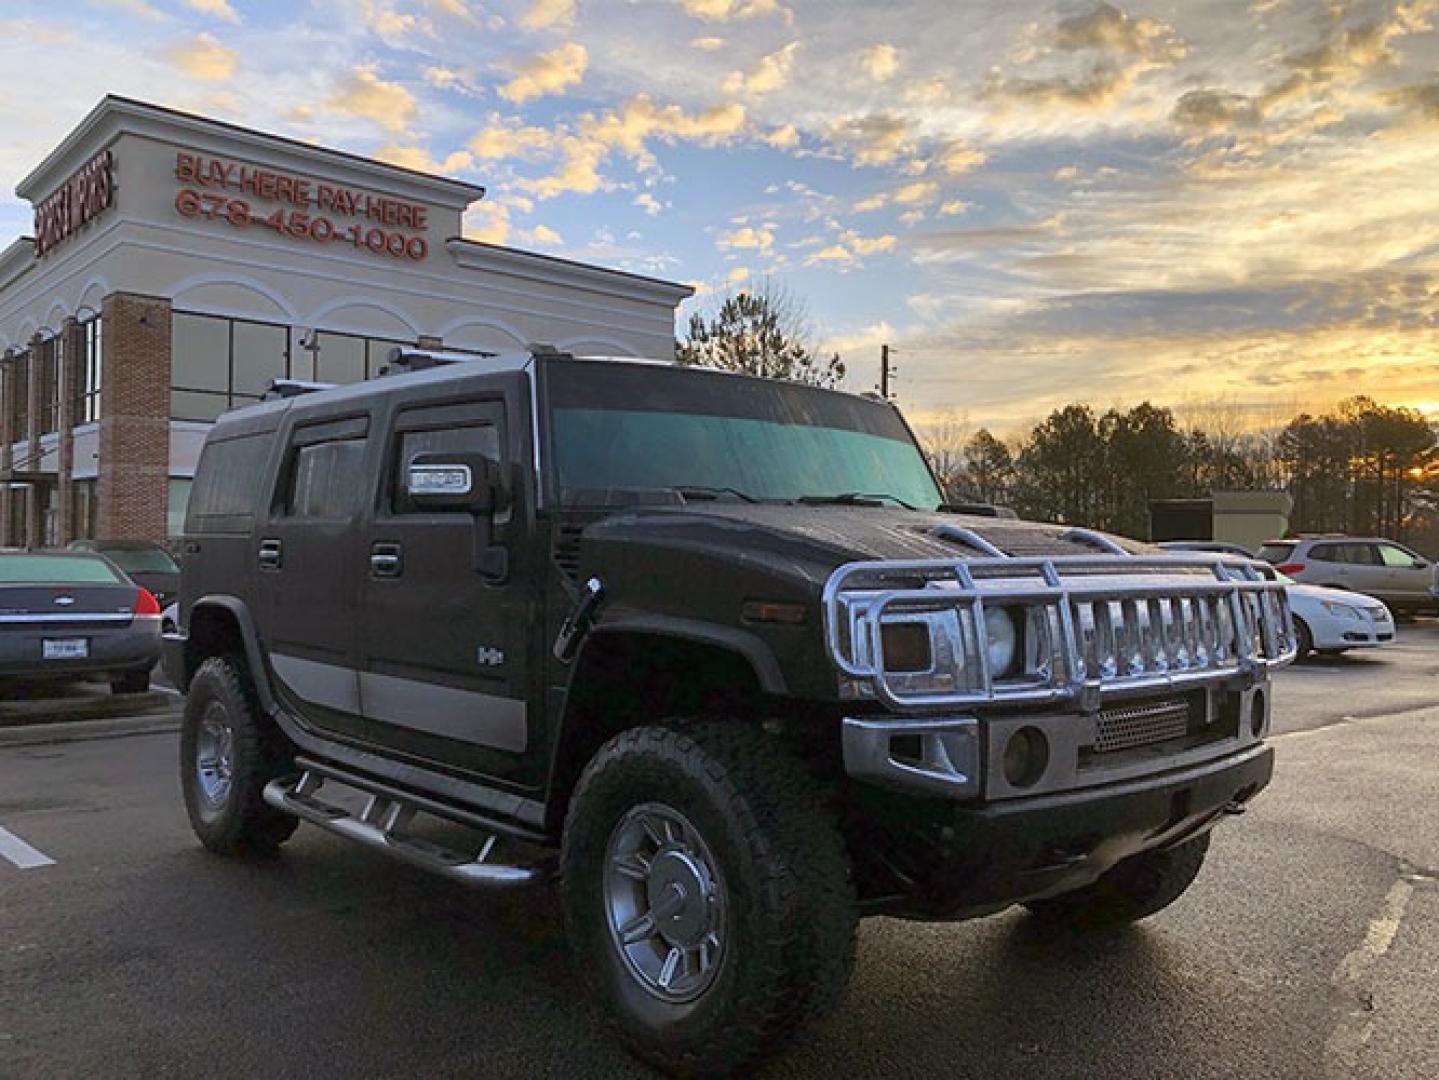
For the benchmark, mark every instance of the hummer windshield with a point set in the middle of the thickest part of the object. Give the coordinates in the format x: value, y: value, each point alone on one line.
x: 707, y: 434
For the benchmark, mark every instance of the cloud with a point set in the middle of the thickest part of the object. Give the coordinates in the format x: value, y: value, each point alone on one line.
x: 648, y: 203
x: 880, y: 62
x: 928, y: 92
x: 203, y: 57
x: 747, y: 239
x: 833, y: 255
x: 954, y: 207
x: 391, y: 25
x: 707, y: 44
x: 456, y: 9
x: 544, y: 235
x: 731, y: 10
x: 876, y: 139
x: 363, y: 93
x: 1418, y: 104
x: 957, y: 157
x: 219, y: 9
x: 444, y: 78
x: 921, y: 191
x: 1114, y: 50
x: 487, y: 221
x: 546, y: 73
x: 419, y: 159
x: 737, y: 275
x: 1209, y: 112
x: 502, y: 141
x: 139, y: 8
x: 768, y: 75
x: 783, y: 138
x: 549, y: 14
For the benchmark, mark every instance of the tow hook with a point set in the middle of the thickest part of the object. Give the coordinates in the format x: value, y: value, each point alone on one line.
x: 1234, y: 807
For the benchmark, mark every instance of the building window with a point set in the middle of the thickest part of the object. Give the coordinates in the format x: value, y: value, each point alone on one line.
x: 87, y: 388
x: 349, y: 358
x: 49, y: 356
x: 179, y: 502
x: 218, y: 364
x: 83, y: 494
x: 21, y: 373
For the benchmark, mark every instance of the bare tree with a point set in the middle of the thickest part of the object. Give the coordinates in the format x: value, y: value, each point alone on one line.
x: 765, y: 331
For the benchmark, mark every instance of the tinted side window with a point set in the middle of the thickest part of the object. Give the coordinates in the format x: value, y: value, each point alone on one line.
x: 1361, y: 554
x: 1326, y: 553
x: 327, y: 479
x: 226, y: 483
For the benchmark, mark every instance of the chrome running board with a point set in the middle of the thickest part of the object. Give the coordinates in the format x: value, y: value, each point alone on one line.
x: 384, y: 825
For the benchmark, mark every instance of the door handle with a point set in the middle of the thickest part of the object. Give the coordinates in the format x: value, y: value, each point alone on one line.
x: 269, y: 556
x: 386, y: 560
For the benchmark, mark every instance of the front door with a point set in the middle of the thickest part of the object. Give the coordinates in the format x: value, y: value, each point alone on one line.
x: 442, y: 641
x: 308, y: 568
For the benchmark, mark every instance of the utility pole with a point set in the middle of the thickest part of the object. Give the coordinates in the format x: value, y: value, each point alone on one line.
x: 885, y: 372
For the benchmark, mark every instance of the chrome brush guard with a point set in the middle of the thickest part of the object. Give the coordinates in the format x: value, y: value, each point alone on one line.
x: 1090, y: 625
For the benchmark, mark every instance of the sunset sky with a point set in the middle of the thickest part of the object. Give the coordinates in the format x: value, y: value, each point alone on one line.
x: 1034, y: 203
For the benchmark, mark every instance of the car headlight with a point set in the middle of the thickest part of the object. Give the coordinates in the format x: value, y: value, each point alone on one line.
x: 1340, y: 611
x: 1002, y: 634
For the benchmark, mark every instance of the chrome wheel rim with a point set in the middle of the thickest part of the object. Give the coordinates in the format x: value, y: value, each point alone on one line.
x: 214, y: 758
x: 664, y: 903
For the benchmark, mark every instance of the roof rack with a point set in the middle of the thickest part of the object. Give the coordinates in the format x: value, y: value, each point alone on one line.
x: 404, y: 360
x: 280, y: 389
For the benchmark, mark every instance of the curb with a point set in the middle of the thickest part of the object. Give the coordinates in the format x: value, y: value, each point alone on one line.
x: 86, y: 730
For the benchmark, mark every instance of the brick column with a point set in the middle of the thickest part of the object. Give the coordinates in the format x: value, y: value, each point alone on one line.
x: 133, y: 484
x: 8, y: 405
x: 72, y: 357
x: 34, y: 520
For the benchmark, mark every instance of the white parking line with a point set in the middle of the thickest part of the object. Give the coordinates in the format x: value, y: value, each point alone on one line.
x: 21, y: 853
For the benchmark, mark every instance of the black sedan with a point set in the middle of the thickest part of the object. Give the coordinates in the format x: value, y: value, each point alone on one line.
x: 68, y: 613
x: 145, y: 563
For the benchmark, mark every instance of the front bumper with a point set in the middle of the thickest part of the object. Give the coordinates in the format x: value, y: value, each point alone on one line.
x: 966, y: 861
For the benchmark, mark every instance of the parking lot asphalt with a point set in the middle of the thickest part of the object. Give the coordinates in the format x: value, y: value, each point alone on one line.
x: 1307, y: 948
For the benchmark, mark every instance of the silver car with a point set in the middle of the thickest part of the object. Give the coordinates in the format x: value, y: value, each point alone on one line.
x: 66, y: 613
x: 1403, y: 579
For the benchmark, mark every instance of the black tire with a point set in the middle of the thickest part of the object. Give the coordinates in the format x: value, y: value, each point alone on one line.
x: 788, y: 909
x: 132, y: 682
x: 240, y: 820
x: 1132, y: 890
x: 1304, y: 640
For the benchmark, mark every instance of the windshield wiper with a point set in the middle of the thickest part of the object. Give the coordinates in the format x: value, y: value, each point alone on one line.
x: 701, y: 492
x: 852, y: 498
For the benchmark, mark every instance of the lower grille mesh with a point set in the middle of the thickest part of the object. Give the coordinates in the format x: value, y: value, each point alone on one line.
x: 1125, y: 727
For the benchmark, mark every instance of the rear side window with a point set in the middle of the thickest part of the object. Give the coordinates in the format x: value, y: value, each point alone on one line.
x: 226, y: 483
x: 1276, y: 553
x: 55, y: 570
x: 1360, y: 554
x: 327, y: 479
x: 1396, y: 556
x: 1327, y: 553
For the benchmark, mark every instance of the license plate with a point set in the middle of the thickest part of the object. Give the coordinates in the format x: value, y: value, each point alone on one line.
x: 65, y: 649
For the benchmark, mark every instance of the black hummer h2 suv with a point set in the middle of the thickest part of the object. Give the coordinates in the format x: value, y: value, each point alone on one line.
x: 716, y: 640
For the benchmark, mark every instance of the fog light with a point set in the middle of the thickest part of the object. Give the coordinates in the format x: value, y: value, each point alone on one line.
x: 1026, y: 756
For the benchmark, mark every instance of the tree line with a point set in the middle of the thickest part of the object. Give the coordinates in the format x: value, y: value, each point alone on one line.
x: 1363, y: 468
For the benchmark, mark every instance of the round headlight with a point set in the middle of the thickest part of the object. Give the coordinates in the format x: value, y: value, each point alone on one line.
x: 1003, y: 635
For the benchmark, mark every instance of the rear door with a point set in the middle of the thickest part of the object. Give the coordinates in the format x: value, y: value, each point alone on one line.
x: 308, y: 570
x: 443, y: 646
x: 1327, y: 564
x: 1367, y: 572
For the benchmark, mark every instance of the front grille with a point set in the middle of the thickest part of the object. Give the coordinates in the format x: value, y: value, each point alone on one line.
x: 1128, y: 726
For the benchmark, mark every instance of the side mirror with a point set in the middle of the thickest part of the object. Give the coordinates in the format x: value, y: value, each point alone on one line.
x: 454, y: 481
x: 1420, y: 564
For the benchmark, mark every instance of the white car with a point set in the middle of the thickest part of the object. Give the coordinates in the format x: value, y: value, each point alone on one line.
x: 1329, y: 621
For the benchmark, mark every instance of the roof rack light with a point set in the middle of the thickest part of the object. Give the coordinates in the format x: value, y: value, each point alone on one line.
x: 280, y: 389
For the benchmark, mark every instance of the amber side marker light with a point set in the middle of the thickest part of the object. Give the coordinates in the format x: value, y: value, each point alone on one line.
x: 773, y: 611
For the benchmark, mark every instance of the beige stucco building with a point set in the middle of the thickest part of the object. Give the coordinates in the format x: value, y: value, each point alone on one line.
x: 181, y: 263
